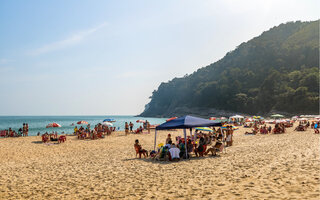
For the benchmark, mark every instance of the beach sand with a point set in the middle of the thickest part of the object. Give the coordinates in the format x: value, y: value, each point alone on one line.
x: 282, y: 166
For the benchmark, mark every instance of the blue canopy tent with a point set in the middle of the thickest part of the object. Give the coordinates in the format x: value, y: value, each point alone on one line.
x: 184, y: 123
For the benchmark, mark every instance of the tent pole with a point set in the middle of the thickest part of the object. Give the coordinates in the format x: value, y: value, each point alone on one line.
x: 185, y: 142
x: 155, y: 139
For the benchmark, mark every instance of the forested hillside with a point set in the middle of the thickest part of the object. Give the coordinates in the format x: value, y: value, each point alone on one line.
x: 278, y: 70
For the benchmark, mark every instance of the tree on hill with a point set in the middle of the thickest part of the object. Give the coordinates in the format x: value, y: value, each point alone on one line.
x: 278, y: 70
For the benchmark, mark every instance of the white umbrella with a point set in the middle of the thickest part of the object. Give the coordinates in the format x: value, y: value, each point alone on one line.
x: 107, y: 123
x: 237, y: 117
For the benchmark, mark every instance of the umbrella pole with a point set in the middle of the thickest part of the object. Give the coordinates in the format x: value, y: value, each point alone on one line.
x: 191, y: 134
x: 223, y: 140
x: 185, y: 142
x: 155, y: 139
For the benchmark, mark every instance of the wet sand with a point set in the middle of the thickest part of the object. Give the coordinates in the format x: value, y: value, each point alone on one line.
x: 282, y: 166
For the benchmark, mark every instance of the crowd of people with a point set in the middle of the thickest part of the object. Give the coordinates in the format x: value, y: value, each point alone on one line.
x: 128, y: 127
x: 52, y: 137
x: 99, y: 131
x: 12, y: 133
x: 201, y: 144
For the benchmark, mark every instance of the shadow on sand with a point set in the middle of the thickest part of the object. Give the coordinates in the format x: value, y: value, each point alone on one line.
x: 166, y: 162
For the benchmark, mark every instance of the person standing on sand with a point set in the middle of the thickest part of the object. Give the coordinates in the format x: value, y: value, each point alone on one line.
x: 126, y: 128
x: 24, y: 129
x: 27, y: 129
x: 148, y: 127
x: 131, y: 126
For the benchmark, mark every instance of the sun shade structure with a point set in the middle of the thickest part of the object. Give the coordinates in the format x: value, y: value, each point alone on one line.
x: 172, y: 118
x: 187, y: 122
x: 184, y: 123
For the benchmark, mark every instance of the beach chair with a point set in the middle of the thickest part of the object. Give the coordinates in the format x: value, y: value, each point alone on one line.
x: 2, y: 133
x: 45, y: 138
x: 62, y: 138
x: 140, y: 151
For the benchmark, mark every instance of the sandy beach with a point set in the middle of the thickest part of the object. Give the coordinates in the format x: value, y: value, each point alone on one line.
x: 284, y: 166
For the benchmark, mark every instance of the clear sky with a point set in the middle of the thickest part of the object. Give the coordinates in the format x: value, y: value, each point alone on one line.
x: 74, y: 57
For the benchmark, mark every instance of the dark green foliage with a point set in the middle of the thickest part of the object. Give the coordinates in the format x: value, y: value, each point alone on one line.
x: 279, y: 70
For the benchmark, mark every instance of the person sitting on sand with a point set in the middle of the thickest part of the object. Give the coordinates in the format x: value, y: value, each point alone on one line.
x: 139, y: 149
x: 207, y: 139
x: 168, y: 145
x: 214, y: 149
x: 252, y: 133
x: 163, y: 153
x: 182, y: 149
x: 189, y: 146
x: 174, y: 153
x: 201, y: 147
x: 168, y: 139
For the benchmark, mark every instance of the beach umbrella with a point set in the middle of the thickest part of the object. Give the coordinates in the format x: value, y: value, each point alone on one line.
x: 237, y: 117
x: 172, y: 118
x: 107, y: 123
x: 233, y: 127
x: 249, y: 120
x: 277, y: 116
x: 82, y: 122
x: 53, y: 125
x: 141, y: 121
x: 212, y: 118
x: 108, y: 120
x: 204, y: 129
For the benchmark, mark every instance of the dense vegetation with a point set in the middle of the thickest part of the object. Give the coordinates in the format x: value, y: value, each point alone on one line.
x: 279, y: 70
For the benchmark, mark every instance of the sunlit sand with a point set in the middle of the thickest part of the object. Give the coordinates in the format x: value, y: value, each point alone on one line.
x: 284, y: 166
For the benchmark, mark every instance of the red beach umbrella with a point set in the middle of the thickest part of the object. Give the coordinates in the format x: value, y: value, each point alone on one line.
x: 53, y: 125
x: 141, y: 121
x: 172, y: 118
x: 82, y: 122
x: 212, y: 118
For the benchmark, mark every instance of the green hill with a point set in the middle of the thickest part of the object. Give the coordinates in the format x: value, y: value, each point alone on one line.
x: 276, y: 71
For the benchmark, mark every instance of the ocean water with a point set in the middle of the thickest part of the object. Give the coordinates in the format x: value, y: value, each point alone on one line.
x: 38, y: 123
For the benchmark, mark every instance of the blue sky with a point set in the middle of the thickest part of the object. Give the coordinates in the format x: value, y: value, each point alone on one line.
x: 106, y: 57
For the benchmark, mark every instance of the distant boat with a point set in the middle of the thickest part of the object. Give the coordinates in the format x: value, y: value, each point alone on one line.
x: 109, y: 120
